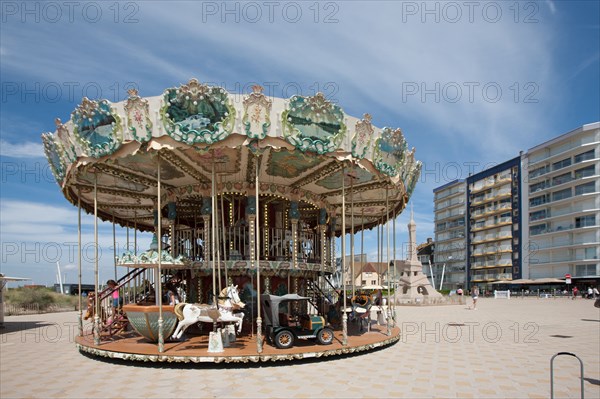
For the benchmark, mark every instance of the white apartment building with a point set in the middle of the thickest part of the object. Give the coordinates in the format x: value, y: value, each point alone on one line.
x: 450, y: 243
x: 561, y: 207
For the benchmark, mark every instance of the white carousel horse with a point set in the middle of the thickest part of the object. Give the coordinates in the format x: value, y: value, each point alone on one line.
x: 189, y: 314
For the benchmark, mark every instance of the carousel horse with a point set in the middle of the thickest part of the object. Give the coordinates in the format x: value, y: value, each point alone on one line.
x: 189, y: 314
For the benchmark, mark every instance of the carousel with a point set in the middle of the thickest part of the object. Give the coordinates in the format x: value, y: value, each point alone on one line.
x: 244, y: 196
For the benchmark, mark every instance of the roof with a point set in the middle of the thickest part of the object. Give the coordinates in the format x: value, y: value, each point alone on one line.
x: 368, y: 268
x: 589, y: 126
x: 454, y: 182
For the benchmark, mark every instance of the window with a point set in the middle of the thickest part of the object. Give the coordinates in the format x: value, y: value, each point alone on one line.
x: 538, y: 200
x: 585, y: 172
x: 560, y: 179
x: 585, y: 221
x: 585, y: 156
x: 562, y: 194
x: 585, y: 270
x: 537, y: 215
x: 537, y: 187
x: 364, y: 282
x: 561, y: 164
x: 585, y: 188
x: 539, y: 229
x: 538, y: 172
x: 479, y: 224
x: 590, y: 253
x: 373, y: 282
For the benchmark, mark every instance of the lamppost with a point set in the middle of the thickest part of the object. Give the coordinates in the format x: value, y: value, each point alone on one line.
x: 443, y: 271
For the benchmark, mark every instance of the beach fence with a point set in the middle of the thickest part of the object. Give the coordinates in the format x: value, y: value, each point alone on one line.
x: 35, y: 308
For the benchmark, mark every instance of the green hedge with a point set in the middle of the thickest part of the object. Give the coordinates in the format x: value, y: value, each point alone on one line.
x: 44, y: 297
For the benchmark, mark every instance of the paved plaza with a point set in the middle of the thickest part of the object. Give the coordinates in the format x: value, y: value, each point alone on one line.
x: 502, y: 349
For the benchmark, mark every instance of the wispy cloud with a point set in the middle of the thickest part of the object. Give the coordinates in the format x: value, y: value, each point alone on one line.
x: 21, y: 150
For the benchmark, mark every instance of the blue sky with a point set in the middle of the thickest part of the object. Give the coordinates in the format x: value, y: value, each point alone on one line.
x: 470, y: 84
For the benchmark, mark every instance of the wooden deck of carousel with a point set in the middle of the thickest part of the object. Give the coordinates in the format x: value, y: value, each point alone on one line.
x: 132, y: 347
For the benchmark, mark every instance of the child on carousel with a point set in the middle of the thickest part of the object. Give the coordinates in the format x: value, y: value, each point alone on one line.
x: 117, y: 301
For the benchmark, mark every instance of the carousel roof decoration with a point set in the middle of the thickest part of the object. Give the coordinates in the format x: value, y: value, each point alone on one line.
x: 257, y: 110
x: 313, y: 124
x: 302, y: 157
x: 363, y: 137
x: 197, y: 113
x: 138, y: 116
x: 97, y: 127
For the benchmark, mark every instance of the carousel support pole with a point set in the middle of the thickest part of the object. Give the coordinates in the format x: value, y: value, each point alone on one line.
x: 362, y: 234
x: 138, y: 279
x: 345, y: 315
x: 353, y: 276
x: 114, y: 247
x: 79, y: 316
x: 158, y: 286
x: 129, y: 283
x: 259, y: 337
x: 222, y: 216
x: 395, y: 269
x: 389, y: 303
x: 213, y: 235
x: 96, y: 279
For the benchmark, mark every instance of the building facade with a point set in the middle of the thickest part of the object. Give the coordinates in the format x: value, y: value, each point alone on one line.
x: 562, y: 206
x: 534, y: 216
x: 450, y: 235
x: 494, y: 229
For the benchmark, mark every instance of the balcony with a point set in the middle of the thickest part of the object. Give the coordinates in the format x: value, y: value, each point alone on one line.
x: 492, y: 251
x: 501, y: 222
x: 447, y: 215
x: 501, y: 180
x: 491, y: 197
x: 491, y: 277
x: 491, y: 210
x: 534, y: 246
x: 551, y: 230
x: 491, y: 237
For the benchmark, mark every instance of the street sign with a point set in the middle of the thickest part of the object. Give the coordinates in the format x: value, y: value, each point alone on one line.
x: 568, y: 281
x: 567, y: 275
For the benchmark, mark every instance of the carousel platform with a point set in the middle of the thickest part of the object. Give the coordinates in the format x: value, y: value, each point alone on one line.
x: 132, y: 347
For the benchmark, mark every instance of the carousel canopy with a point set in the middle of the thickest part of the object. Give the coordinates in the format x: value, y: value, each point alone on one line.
x: 306, y: 148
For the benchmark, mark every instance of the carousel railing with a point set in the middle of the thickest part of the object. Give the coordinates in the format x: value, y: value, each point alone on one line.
x: 189, y: 242
x: 237, y: 241
x: 276, y: 244
x: 281, y: 245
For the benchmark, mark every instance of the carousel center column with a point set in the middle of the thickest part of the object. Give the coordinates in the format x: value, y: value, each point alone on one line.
x: 207, y: 254
x: 294, y: 217
x: 323, y: 255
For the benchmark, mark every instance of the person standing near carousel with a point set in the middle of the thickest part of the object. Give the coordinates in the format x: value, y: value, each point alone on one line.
x: 475, y: 296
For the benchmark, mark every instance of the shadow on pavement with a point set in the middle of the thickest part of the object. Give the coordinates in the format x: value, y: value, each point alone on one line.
x: 15, y: 326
